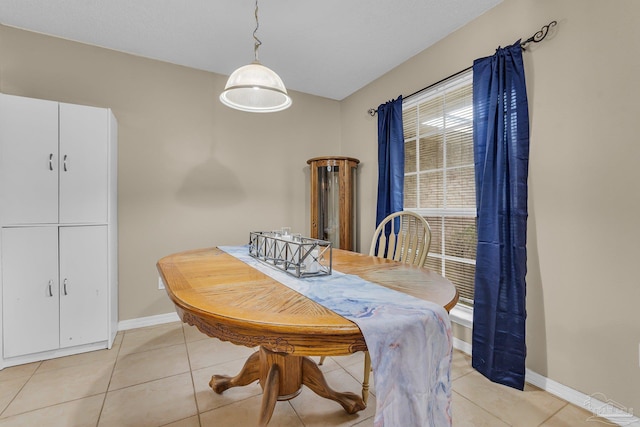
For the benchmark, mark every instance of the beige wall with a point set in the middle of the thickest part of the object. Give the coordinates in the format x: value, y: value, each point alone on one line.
x: 192, y: 173
x: 583, y: 326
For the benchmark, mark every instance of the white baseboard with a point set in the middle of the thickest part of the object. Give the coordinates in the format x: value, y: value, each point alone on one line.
x: 597, y: 403
x: 52, y: 354
x: 463, y: 346
x: 141, y: 322
x: 462, y: 315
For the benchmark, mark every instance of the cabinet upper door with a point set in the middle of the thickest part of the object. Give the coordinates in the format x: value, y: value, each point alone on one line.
x: 30, y: 301
x: 83, y: 285
x: 28, y: 160
x: 84, y: 149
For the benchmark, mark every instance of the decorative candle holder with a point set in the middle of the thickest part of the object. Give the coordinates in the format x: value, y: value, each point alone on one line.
x: 293, y: 254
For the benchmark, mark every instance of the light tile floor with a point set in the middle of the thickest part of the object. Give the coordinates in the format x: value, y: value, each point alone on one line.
x: 158, y: 376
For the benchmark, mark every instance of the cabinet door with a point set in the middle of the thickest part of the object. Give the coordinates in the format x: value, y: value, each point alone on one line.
x: 83, y: 285
x: 84, y: 144
x: 30, y: 302
x: 28, y: 160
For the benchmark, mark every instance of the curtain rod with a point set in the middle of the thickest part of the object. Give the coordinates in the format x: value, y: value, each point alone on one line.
x: 536, y: 38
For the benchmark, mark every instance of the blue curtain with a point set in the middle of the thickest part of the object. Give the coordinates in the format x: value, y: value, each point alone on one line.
x: 501, y: 156
x: 390, y: 159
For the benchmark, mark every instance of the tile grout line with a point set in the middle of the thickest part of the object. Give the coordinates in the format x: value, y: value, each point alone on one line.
x: 565, y: 404
x: 21, y: 388
x: 471, y: 401
x: 151, y: 380
x: 34, y: 373
x: 554, y: 414
x: 193, y: 383
x: 481, y: 408
x: 296, y: 412
x: 113, y: 369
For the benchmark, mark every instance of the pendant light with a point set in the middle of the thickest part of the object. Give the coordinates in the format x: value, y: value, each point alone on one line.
x: 254, y: 87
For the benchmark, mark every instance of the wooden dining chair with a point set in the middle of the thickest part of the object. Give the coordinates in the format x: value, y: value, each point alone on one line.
x: 402, y: 236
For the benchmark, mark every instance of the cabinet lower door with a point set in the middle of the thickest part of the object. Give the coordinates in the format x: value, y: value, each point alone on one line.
x: 29, y: 290
x: 83, y: 285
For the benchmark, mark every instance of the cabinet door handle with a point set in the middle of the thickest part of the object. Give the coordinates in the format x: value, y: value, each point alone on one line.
x: 50, y: 288
x: 64, y: 286
x: 64, y: 162
x: 51, y: 161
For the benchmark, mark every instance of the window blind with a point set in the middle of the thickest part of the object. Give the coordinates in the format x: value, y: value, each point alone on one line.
x: 439, y: 176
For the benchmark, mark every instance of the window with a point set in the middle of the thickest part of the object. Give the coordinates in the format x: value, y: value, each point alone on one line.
x: 439, y: 176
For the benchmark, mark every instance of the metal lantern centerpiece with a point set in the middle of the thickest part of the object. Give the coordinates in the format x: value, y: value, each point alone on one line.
x: 333, y: 200
x: 293, y: 254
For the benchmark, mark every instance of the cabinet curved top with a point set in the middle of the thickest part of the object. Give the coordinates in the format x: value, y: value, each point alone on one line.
x: 332, y: 160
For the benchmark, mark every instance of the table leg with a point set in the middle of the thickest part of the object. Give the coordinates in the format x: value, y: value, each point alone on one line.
x: 281, y: 377
x: 249, y: 373
x: 269, y: 395
x: 313, y: 378
x: 290, y: 372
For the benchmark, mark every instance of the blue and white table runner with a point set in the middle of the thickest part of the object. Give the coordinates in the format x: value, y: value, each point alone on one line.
x: 409, y: 341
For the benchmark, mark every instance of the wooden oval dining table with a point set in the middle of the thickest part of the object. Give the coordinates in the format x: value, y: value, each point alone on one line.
x: 228, y: 299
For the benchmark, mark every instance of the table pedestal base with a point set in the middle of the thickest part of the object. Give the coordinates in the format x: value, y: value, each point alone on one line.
x: 281, y: 377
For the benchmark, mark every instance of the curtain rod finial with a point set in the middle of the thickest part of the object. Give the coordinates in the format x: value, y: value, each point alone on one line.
x: 539, y: 36
x: 372, y: 112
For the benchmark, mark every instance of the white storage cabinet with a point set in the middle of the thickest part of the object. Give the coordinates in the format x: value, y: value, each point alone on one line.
x: 58, y: 242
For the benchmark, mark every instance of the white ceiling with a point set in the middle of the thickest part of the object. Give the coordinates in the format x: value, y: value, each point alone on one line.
x: 329, y: 48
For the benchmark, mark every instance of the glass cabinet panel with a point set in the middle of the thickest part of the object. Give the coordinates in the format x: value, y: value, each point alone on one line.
x: 333, y: 195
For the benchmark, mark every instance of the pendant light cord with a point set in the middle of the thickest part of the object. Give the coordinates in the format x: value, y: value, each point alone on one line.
x: 255, y: 37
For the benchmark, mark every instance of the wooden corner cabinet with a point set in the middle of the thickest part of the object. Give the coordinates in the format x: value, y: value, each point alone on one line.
x: 333, y: 200
x: 58, y: 229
